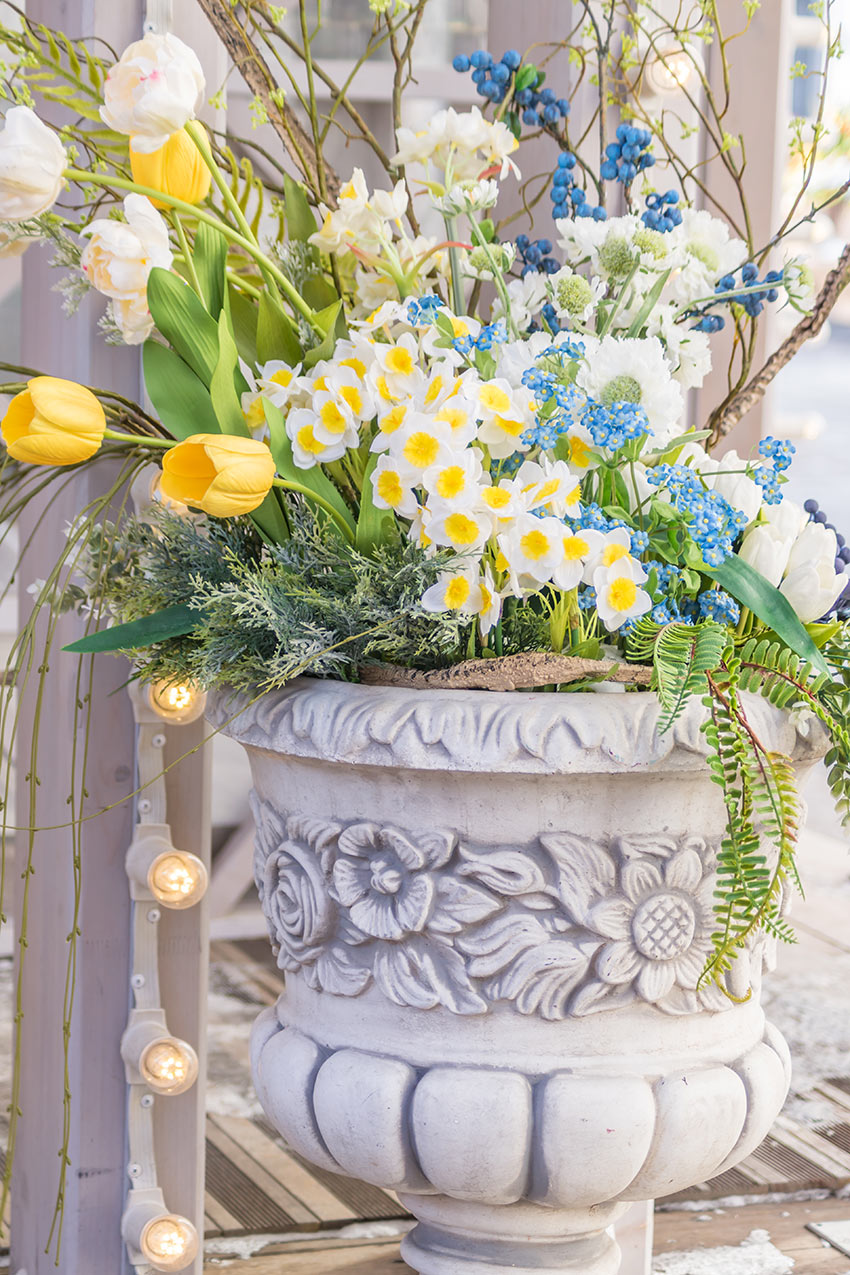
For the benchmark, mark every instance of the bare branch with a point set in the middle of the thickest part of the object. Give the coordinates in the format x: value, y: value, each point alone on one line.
x: 730, y: 413
x: 508, y: 673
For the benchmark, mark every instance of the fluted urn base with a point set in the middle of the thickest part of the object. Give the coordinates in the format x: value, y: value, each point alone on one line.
x: 494, y: 912
x: 455, y: 1237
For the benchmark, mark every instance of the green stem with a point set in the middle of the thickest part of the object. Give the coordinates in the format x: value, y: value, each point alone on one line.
x: 457, y: 288
x: 240, y: 282
x: 286, y: 485
x: 122, y: 183
x: 479, y: 240
x: 136, y: 439
x: 188, y: 259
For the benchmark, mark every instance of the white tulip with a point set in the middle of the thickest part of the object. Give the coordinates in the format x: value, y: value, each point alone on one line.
x: 155, y: 88
x: 118, y: 259
x: 787, y: 518
x: 32, y: 164
x: 811, y: 584
x: 730, y: 482
x: 767, y: 551
x: 812, y: 589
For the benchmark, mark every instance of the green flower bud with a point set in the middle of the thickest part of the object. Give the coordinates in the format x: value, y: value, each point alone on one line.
x: 573, y: 294
x: 623, y: 389
x: 615, y: 257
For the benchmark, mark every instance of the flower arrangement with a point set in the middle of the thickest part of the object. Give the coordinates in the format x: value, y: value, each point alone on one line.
x: 393, y: 445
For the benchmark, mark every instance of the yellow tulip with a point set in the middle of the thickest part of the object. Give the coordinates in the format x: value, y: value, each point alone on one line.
x: 53, y: 422
x: 177, y: 169
x: 223, y: 474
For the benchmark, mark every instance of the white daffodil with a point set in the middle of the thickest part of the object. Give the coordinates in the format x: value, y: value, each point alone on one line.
x: 389, y: 423
x: 462, y: 529
x: 397, y: 370
x: 490, y: 605
x: 333, y: 422
x: 533, y: 548
x: 457, y: 591
x: 454, y: 483
x: 550, y: 485
x: 505, y: 413
x: 278, y: 382
x: 346, y: 384
x: 631, y: 370
x: 611, y: 547
x: 618, y: 593
x: 422, y: 443
x: 392, y: 488
x: 390, y: 204
x: 505, y: 500
x: 579, y: 548
x: 307, y: 449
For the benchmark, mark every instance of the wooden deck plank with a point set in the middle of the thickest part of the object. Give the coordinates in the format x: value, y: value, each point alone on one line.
x: 299, y: 1213
x: 284, y: 1168
x: 380, y: 1258
x: 221, y: 1218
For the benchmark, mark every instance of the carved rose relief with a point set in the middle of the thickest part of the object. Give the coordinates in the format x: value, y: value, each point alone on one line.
x: 564, y: 927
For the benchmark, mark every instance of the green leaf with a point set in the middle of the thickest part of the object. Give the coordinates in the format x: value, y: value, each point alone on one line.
x: 649, y: 304
x: 332, y: 321
x: 750, y: 588
x: 315, y: 479
x: 319, y: 292
x: 210, y: 257
x: 300, y: 222
x: 174, y: 621
x: 276, y: 334
x: 243, y: 321
x: 225, y: 398
x: 372, y: 528
x: 525, y: 77
x: 180, y: 316
x: 182, y: 401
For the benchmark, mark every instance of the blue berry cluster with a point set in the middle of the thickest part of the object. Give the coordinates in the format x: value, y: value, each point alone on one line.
x: 541, y: 107
x: 662, y: 211
x: 713, y: 523
x: 491, y: 78
x: 615, y: 426
x: 709, y: 322
x: 628, y: 156
x: 536, y: 254
x: 842, y: 559
x: 755, y: 292
x: 568, y: 198
x: 714, y: 604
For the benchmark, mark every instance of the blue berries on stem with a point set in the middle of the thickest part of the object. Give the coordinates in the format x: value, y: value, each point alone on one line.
x: 662, y: 213
x: 628, y: 155
x: 535, y: 255
x: 568, y: 199
x: 754, y: 293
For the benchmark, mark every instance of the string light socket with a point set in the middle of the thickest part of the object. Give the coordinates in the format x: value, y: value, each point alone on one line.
x: 166, y: 1241
x: 672, y: 70
x: 158, y: 870
x: 153, y: 1057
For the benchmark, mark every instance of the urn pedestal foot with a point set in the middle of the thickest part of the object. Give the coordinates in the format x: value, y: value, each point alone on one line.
x: 457, y: 1238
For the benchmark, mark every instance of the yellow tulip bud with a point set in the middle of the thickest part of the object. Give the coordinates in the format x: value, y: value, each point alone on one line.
x: 177, y: 169
x: 223, y: 474
x: 53, y: 422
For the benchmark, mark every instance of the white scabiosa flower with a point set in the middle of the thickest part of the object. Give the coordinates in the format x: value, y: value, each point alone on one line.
x: 688, y: 350
x: 118, y: 259
x: 32, y: 165
x: 619, y: 596
x: 631, y: 370
x: 574, y: 297
x: 527, y: 298
x: 154, y: 89
x: 709, y: 252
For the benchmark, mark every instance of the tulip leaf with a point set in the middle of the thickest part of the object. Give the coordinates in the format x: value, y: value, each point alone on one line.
x: 319, y: 292
x: 315, y: 479
x: 276, y: 334
x: 750, y: 588
x: 179, y: 314
x: 182, y: 401
x: 300, y: 222
x: 173, y: 621
x: 243, y: 322
x: 210, y: 257
x: 332, y: 322
x: 373, y: 524
x: 225, y: 399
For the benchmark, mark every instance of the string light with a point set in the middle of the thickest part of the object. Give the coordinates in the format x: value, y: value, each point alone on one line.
x: 671, y: 70
x: 176, y: 702
x: 169, y: 1242
x: 168, y: 1065
x: 177, y: 879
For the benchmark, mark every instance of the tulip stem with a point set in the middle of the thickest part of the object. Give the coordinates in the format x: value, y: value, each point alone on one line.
x: 292, y: 294
x: 286, y: 485
x: 137, y: 439
x: 188, y: 259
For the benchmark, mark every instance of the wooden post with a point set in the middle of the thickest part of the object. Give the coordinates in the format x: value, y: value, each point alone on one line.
x: 96, y: 1181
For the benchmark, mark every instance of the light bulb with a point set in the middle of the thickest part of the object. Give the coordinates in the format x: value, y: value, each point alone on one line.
x: 168, y: 1065
x: 671, y: 70
x: 177, y: 879
x: 169, y: 1242
x: 176, y: 702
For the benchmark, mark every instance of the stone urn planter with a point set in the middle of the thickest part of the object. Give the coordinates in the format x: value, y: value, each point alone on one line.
x: 493, y: 910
